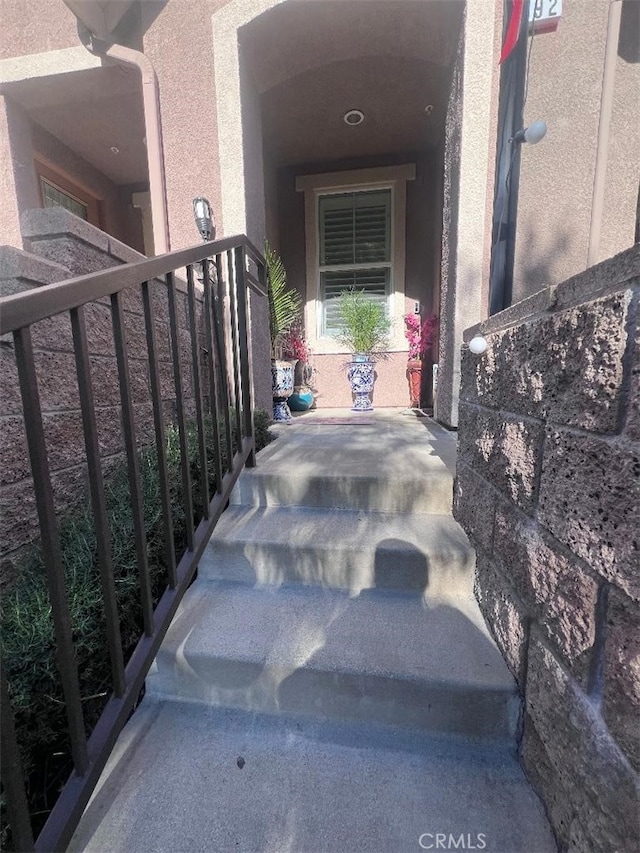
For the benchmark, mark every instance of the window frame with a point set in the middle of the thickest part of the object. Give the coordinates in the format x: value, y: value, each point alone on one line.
x: 321, y: 332
x: 65, y: 184
x: 315, y: 185
x: 45, y: 182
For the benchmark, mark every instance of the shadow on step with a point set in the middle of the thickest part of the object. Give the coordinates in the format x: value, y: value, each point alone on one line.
x: 382, y: 655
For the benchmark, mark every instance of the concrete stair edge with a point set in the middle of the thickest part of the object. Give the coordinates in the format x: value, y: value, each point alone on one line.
x: 344, y: 549
x: 322, y: 652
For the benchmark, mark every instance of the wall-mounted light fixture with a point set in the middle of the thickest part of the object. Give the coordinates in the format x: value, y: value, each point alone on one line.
x: 203, y: 216
x: 478, y: 345
x: 532, y: 134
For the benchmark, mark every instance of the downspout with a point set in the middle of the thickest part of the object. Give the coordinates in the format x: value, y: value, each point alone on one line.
x: 602, y: 149
x: 153, y: 129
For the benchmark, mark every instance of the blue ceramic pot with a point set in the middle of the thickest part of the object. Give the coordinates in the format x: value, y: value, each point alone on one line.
x: 301, y: 400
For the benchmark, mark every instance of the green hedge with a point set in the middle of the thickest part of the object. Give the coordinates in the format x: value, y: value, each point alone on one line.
x: 27, y: 629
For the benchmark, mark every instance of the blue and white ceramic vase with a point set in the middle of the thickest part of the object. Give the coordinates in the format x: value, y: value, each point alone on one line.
x: 281, y: 388
x: 362, y: 375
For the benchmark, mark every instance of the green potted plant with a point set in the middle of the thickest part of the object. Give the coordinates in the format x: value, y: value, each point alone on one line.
x: 364, y: 329
x: 284, y: 311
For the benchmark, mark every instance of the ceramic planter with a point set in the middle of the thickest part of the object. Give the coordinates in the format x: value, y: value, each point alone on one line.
x: 301, y: 400
x: 362, y: 375
x: 281, y: 389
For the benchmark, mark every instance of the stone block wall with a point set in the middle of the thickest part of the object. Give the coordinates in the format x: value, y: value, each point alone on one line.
x: 548, y: 490
x: 62, y: 246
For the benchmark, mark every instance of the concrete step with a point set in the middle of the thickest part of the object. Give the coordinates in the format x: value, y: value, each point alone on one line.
x: 381, y: 656
x: 342, y: 549
x: 389, y: 466
x: 294, y: 487
x: 192, y: 778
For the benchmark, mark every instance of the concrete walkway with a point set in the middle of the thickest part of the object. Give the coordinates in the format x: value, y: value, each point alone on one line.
x: 328, y: 683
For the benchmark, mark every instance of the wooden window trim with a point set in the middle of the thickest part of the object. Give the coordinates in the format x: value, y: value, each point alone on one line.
x: 67, y: 185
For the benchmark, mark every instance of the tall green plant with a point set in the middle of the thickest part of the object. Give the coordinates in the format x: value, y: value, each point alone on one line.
x: 284, y: 304
x: 365, y: 326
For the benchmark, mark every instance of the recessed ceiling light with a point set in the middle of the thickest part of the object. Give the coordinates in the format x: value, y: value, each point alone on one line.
x: 115, y: 150
x: 353, y: 117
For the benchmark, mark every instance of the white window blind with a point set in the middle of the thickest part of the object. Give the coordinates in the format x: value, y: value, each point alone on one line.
x: 355, y: 249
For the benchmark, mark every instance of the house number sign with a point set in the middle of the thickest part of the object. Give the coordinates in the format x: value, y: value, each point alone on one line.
x: 545, y: 13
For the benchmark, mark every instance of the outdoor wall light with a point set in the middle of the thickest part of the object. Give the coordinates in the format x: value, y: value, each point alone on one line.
x: 203, y: 216
x: 478, y: 345
x: 532, y: 134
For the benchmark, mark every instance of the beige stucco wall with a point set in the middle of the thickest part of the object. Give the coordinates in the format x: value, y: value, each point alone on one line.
x: 16, y: 169
x: 557, y: 175
x: 468, y: 156
x: 179, y: 43
x: 623, y: 161
x: 26, y: 141
x: 35, y: 26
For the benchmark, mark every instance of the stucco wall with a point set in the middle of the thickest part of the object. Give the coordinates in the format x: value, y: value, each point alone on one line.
x: 15, y: 169
x: 35, y: 27
x: 548, y: 490
x: 27, y: 140
x: 179, y: 41
x: 118, y: 217
x: 623, y: 161
x: 557, y: 175
x: 467, y: 169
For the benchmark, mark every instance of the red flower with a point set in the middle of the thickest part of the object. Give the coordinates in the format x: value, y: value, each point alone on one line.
x: 294, y: 346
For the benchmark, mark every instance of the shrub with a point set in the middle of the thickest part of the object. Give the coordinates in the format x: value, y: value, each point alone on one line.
x: 364, y: 325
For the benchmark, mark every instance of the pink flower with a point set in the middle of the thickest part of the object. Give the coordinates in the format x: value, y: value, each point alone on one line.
x: 420, y: 333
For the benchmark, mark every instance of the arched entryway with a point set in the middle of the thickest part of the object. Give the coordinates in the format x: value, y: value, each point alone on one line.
x: 291, y: 73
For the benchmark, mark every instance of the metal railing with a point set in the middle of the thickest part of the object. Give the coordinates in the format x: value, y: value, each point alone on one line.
x: 225, y: 268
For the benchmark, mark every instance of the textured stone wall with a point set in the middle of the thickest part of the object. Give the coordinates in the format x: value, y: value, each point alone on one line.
x: 63, y: 246
x: 548, y: 490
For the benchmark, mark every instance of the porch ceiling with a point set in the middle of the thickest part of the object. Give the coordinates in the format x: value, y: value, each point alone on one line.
x: 312, y: 62
x: 293, y: 38
x: 91, y: 112
x: 303, y: 117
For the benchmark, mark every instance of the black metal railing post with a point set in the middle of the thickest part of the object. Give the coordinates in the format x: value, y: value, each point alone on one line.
x: 217, y: 303
x: 212, y: 368
x: 51, y: 551
x: 98, y: 501
x: 182, y: 428
x: 12, y: 776
x: 197, y: 391
x: 245, y: 366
